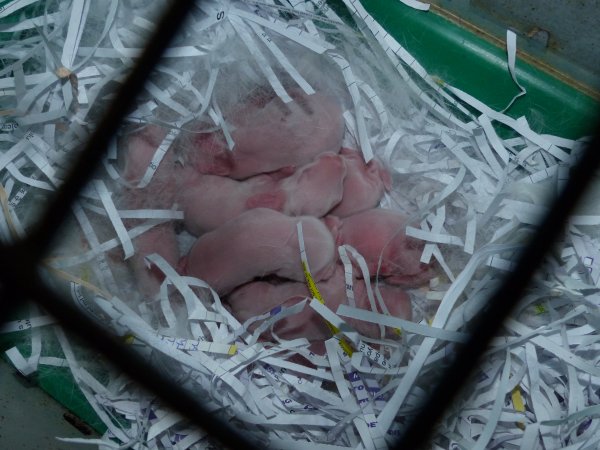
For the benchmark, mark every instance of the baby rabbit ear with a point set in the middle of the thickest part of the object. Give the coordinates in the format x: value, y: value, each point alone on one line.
x: 272, y: 200
x: 208, y: 154
x: 282, y: 173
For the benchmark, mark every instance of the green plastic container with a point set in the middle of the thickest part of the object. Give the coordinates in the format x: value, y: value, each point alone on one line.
x: 478, y: 66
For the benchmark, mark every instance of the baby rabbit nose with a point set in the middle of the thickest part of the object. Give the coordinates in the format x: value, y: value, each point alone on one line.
x: 333, y: 159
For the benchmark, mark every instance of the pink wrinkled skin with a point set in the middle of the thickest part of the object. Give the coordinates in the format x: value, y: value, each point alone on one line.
x: 270, y: 136
x: 258, y: 243
x: 364, y: 184
x: 314, y: 188
x: 379, y: 233
x: 260, y: 297
x: 208, y: 201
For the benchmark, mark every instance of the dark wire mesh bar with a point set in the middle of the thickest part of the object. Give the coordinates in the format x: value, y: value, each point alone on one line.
x: 18, y: 269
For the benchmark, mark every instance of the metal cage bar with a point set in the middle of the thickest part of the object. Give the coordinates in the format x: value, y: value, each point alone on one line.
x: 19, y: 276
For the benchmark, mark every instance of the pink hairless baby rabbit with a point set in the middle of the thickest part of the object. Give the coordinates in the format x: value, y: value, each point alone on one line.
x: 208, y: 201
x: 268, y: 136
x: 241, y: 204
x: 364, y: 184
x: 378, y: 235
x: 259, y: 297
x: 258, y: 243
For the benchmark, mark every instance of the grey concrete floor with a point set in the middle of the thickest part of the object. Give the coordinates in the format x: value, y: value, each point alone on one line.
x: 29, y: 418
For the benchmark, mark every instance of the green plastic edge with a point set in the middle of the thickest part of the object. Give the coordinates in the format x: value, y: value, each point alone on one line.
x: 471, y: 63
x: 61, y: 386
x: 56, y: 382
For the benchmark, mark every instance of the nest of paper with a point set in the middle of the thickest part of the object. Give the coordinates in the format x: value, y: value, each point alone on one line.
x: 473, y: 198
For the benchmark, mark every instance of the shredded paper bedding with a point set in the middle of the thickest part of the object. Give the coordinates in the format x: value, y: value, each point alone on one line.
x: 253, y: 278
